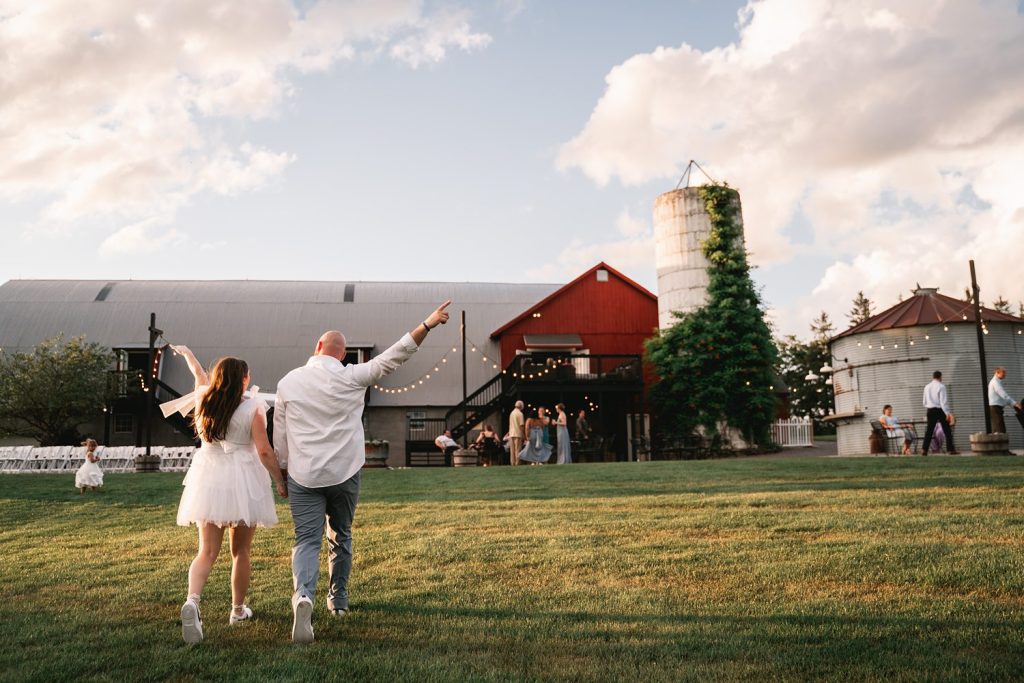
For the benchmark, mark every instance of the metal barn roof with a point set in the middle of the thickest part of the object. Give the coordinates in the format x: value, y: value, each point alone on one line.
x: 272, y: 325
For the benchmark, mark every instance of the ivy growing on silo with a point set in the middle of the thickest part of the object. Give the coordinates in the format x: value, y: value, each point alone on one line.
x: 715, y: 364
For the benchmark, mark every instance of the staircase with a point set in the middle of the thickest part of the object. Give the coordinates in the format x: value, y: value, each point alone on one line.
x: 488, y: 399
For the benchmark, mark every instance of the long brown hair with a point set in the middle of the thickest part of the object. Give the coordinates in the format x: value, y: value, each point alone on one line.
x: 227, y: 382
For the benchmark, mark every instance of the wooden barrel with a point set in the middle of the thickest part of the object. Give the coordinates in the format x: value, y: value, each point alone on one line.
x: 465, y: 457
x: 150, y: 464
x: 990, y: 444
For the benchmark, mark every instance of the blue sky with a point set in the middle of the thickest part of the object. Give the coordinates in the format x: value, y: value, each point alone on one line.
x: 506, y: 141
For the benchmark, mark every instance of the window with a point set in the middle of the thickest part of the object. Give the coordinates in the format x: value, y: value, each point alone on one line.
x: 124, y: 423
x: 602, y: 275
x: 415, y: 420
x: 353, y: 356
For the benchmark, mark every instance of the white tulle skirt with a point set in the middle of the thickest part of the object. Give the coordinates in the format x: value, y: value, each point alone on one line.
x: 227, y: 488
x: 89, y: 474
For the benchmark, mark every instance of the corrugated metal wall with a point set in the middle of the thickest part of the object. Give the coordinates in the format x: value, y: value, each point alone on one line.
x: 897, y: 374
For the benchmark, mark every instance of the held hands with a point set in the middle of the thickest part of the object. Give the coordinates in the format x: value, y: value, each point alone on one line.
x: 439, y: 316
x: 282, y: 488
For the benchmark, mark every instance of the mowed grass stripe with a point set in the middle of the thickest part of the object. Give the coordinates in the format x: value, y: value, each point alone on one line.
x: 781, y: 568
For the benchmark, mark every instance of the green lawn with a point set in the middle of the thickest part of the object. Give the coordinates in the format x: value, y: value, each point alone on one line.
x: 755, y: 569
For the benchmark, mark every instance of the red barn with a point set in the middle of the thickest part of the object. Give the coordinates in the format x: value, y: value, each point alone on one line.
x: 583, y: 346
x: 600, y: 312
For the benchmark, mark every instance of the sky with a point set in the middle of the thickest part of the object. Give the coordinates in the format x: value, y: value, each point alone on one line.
x: 876, y: 145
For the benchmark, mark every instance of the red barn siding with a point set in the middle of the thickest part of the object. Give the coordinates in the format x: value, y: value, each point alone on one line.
x: 610, y: 317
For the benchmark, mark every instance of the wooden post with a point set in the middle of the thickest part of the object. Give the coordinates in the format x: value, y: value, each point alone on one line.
x: 981, y: 347
x: 465, y: 394
x: 147, y: 465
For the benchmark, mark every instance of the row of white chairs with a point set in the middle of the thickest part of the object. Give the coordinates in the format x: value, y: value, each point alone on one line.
x: 57, y: 459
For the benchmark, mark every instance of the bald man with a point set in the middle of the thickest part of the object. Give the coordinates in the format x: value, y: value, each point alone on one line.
x: 318, y: 436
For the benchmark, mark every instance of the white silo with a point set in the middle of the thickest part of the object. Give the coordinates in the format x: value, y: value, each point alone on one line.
x: 681, y: 224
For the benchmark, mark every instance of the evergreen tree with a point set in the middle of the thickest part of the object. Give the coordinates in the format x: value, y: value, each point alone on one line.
x: 1001, y: 305
x: 861, y: 310
x: 715, y: 363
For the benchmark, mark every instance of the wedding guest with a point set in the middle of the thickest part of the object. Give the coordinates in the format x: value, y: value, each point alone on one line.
x: 318, y: 434
x: 447, y: 444
x: 537, y: 450
x: 997, y: 398
x: 896, y: 428
x: 228, y: 483
x: 562, y: 436
x: 488, y: 444
x: 516, y: 432
x: 582, y: 427
x: 89, y: 474
x: 936, y: 401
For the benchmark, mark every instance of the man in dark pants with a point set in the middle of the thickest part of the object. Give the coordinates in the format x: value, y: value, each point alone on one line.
x: 938, y: 413
x: 318, y: 436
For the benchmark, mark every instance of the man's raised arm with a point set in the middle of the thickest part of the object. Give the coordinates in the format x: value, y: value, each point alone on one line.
x: 370, y: 372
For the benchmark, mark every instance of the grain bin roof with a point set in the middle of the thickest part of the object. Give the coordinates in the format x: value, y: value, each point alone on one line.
x: 926, y: 307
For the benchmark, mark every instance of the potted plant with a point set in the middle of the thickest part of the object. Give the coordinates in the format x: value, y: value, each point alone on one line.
x: 376, y: 452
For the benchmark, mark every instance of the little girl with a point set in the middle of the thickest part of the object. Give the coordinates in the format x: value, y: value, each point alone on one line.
x: 89, y: 474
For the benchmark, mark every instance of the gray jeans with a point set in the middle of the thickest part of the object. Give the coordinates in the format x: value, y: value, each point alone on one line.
x: 310, y: 508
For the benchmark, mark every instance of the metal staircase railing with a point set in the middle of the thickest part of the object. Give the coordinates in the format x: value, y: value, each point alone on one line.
x: 478, y: 405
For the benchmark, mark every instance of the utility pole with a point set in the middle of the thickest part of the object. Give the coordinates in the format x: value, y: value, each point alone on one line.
x: 465, y: 394
x: 979, y: 329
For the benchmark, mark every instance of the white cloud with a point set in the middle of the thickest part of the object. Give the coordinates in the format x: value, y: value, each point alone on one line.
x: 143, y: 237
x: 874, y: 119
x: 112, y: 109
x: 631, y: 226
x: 447, y: 29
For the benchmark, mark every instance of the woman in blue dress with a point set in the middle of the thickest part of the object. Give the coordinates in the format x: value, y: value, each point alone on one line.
x: 537, y: 449
x: 562, y: 436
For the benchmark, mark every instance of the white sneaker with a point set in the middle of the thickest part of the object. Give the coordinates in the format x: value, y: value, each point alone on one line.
x: 191, y: 623
x: 246, y: 615
x: 340, y: 612
x: 302, y: 625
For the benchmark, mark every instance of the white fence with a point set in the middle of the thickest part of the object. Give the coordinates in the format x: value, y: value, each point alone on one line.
x: 798, y: 431
x: 67, y: 459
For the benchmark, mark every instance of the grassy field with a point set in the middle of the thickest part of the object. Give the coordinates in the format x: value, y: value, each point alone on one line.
x: 750, y: 569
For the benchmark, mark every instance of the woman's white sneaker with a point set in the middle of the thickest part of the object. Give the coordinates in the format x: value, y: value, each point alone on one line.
x: 237, y: 618
x: 191, y: 623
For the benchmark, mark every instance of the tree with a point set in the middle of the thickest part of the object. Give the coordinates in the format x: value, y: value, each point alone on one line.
x: 715, y: 363
x: 1001, y: 305
x: 797, y: 360
x: 47, y: 393
x: 861, y: 310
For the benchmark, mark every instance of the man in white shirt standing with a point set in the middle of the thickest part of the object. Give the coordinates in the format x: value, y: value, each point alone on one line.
x: 318, y: 436
x: 516, y: 433
x: 997, y: 398
x: 938, y: 413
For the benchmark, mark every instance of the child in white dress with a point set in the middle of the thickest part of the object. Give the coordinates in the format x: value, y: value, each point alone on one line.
x: 89, y: 474
x: 228, y: 483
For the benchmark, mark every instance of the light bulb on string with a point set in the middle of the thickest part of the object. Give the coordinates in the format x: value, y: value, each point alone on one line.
x: 945, y: 328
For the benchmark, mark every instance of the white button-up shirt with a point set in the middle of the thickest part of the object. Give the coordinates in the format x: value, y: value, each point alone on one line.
x: 935, y: 396
x: 997, y: 395
x: 318, y: 416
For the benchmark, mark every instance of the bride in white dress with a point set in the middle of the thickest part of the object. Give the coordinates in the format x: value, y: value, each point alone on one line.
x: 228, y: 482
